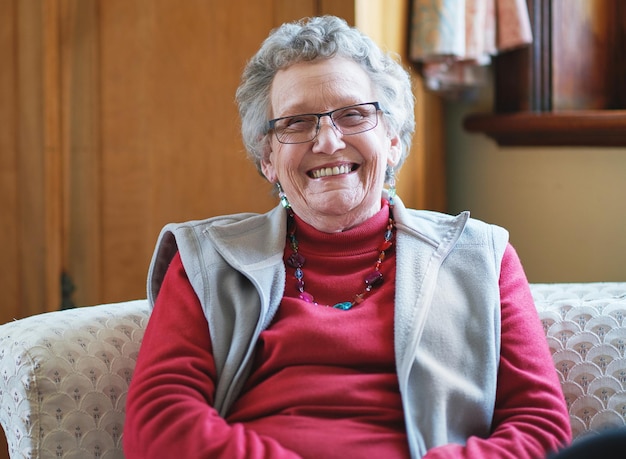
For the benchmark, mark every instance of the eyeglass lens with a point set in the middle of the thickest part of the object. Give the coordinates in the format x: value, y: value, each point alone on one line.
x: 348, y: 120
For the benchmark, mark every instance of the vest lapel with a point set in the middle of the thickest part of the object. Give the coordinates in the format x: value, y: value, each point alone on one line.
x: 422, y: 246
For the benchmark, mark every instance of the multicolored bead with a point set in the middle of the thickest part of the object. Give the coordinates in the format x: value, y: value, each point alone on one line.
x: 296, y: 260
x: 375, y: 278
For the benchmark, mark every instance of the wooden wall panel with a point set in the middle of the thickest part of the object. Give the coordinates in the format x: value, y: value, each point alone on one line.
x: 9, y: 212
x: 30, y: 157
x: 171, y: 149
x: 80, y: 96
x: 288, y: 10
x: 343, y: 8
x: 124, y: 119
x: 127, y: 112
x: 51, y: 192
x: 9, y: 256
x: 30, y: 163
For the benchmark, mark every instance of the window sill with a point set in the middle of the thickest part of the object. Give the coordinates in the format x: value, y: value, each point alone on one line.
x: 605, y: 128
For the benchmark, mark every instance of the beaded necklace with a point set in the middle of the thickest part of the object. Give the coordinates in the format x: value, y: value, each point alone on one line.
x: 373, y: 279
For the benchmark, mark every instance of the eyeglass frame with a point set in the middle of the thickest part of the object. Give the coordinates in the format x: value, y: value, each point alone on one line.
x: 272, y: 123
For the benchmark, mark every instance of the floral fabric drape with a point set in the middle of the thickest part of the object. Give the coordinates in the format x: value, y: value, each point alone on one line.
x: 453, y: 40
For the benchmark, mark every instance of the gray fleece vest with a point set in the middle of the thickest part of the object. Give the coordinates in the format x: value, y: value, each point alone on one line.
x: 447, y: 309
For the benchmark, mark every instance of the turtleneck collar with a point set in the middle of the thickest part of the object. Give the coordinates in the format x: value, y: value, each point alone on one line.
x: 360, y: 239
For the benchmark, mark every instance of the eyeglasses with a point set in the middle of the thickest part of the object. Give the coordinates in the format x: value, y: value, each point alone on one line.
x: 350, y: 120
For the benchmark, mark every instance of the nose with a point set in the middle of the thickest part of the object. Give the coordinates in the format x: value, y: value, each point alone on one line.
x: 329, y: 138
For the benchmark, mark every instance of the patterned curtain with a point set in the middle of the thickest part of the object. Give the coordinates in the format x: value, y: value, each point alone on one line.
x: 453, y: 40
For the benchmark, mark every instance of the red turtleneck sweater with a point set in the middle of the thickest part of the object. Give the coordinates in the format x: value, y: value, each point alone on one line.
x: 324, y: 382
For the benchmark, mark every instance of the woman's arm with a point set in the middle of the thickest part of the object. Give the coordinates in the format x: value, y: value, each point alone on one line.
x: 530, y: 416
x: 169, y: 411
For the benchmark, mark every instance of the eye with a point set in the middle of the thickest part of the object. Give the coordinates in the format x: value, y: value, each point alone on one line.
x: 300, y: 122
x: 350, y: 116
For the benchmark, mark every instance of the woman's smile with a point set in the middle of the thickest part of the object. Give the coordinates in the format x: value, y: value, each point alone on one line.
x: 332, y: 171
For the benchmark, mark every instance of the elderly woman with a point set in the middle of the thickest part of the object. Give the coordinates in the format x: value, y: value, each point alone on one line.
x: 340, y: 323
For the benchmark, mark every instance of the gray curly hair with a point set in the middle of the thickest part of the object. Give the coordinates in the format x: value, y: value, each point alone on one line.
x: 321, y: 38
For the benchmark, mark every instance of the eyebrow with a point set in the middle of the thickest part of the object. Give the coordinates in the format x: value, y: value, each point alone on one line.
x: 298, y: 109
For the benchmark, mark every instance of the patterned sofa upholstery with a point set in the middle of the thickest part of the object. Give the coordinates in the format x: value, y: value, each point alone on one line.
x: 585, y: 325
x: 64, y: 375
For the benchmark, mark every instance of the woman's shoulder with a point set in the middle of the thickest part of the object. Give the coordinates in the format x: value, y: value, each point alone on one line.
x: 218, y: 220
x: 226, y: 222
x: 448, y: 218
x: 469, y: 230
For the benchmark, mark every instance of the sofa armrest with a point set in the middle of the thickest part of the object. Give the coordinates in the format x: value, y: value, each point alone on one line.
x: 585, y: 325
x: 64, y: 377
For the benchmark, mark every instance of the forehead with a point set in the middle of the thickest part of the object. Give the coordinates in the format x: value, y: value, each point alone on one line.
x: 319, y: 85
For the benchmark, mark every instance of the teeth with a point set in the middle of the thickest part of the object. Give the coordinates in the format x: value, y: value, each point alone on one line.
x: 328, y: 171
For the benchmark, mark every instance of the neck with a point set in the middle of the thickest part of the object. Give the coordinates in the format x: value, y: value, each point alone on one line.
x: 330, y: 223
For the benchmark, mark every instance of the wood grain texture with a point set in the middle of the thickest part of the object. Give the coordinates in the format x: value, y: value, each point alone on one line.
x: 124, y: 119
x: 80, y: 121
x: 171, y: 149
x: 582, y: 32
x: 568, y: 88
x: 10, y: 263
x: 569, y: 128
x: 9, y: 186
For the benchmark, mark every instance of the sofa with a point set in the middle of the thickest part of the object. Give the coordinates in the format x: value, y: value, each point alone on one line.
x: 64, y: 375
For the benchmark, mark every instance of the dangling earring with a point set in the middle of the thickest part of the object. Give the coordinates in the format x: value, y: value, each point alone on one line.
x: 282, y: 196
x: 391, y: 182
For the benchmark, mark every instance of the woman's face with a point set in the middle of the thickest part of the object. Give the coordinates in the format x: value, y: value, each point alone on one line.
x: 340, y: 201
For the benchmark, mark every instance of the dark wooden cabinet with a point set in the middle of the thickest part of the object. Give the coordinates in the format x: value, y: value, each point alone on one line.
x: 569, y: 86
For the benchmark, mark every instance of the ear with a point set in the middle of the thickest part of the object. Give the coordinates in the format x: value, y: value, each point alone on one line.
x: 395, y: 150
x: 268, y: 169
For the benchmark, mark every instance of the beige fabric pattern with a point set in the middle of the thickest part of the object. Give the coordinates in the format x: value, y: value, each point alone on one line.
x: 585, y: 325
x: 64, y: 377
